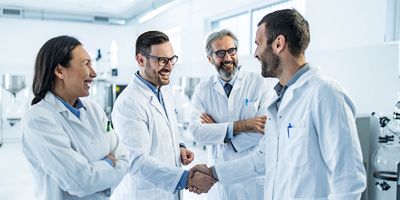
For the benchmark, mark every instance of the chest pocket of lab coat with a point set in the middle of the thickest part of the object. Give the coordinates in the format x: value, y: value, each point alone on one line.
x: 298, y: 146
x: 250, y: 108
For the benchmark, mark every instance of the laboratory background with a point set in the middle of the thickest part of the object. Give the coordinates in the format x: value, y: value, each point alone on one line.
x: 355, y: 42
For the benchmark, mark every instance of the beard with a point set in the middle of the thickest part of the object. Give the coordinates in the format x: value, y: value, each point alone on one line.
x: 223, y: 73
x: 269, y: 63
x: 156, y: 77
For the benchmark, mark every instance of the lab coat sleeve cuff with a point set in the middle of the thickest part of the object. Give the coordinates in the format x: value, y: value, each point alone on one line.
x: 109, y: 161
x: 229, y: 132
x: 214, y: 173
x: 182, y: 184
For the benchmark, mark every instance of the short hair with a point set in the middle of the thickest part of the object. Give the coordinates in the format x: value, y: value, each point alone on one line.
x: 146, y: 39
x: 218, y: 35
x: 292, y: 25
x: 56, y: 51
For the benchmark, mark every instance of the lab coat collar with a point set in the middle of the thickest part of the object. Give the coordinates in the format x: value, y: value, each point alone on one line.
x: 59, y: 107
x: 300, y: 82
x: 148, y: 93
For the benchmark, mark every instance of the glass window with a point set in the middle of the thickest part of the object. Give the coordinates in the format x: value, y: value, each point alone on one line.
x: 175, y: 37
x: 392, y: 21
x: 244, y: 25
x: 258, y: 14
x: 240, y: 26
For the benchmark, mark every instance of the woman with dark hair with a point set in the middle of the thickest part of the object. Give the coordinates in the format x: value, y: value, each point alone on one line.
x: 69, y: 143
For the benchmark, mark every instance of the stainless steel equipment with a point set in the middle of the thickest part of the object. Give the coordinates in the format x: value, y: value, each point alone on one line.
x: 189, y: 84
x: 105, y: 93
x: 387, y: 158
x: 13, y: 83
x: 102, y: 93
x: 13, y: 110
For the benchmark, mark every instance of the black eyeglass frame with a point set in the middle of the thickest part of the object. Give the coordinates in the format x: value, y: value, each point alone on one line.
x: 222, y: 53
x: 162, y: 61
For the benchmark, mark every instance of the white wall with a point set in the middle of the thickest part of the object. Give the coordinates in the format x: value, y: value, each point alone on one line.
x: 347, y: 42
x: 22, y: 39
x: 194, y: 16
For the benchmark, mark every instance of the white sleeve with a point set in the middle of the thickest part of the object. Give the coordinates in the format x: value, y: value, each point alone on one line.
x: 340, y: 148
x: 246, y: 140
x: 131, y: 124
x: 47, y: 146
x: 244, y: 168
x: 119, y: 151
x: 205, y: 133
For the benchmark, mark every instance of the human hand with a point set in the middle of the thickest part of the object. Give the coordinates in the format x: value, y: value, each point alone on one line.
x: 112, y: 158
x: 187, y: 156
x: 206, y: 119
x: 200, y: 183
x: 256, y: 124
x: 200, y: 168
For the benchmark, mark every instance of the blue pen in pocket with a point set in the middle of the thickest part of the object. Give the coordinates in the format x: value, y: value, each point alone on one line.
x: 288, y: 131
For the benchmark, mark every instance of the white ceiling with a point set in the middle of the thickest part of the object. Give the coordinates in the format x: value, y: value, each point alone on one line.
x: 124, y: 9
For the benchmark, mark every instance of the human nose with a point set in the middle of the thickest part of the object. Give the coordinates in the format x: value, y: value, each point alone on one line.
x: 227, y: 56
x: 255, y: 53
x: 169, y: 64
x: 92, y: 72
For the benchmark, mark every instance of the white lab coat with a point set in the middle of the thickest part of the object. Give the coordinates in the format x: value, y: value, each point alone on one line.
x: 247, y: 100
x: 65, y: 153
x: 150, y: 136
x: 319, y: 157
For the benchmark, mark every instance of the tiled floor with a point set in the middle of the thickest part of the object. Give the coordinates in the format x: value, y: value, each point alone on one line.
x: 16, y: 181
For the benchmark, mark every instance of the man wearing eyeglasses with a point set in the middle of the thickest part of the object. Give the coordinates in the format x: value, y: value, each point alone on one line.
x: 144, y: 118
x: 228, y: 113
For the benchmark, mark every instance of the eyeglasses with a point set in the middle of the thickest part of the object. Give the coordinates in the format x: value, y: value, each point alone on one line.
x: 162, y: 61
x: 222, y: 53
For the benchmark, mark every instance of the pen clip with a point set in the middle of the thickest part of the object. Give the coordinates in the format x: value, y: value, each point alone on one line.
x: 288, y: 132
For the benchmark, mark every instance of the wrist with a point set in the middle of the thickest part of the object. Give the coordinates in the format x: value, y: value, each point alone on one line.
x: 239, y: 126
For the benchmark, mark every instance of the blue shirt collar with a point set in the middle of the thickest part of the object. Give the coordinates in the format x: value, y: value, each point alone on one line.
x: 150, y: 85
x: 280, y: 89
x: 75, y: 110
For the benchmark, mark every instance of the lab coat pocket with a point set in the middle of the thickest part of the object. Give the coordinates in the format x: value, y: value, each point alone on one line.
x: 298, y: 146
x: 250, y: 108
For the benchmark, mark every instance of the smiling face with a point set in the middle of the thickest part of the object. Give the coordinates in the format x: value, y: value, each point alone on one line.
x: 227, y: 65
x: 270, y: 62
x: 157, y: 74
x: 74, y: 80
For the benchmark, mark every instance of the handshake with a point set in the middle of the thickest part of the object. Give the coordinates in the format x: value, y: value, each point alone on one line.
x: 200, y: 179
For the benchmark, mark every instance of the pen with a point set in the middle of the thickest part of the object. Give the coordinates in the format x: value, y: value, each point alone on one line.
x: 288, y: 132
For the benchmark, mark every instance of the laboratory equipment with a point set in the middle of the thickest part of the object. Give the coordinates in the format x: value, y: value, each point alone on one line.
x: 189, y: 84
x: 12, y: 110
x: 105, y: 93
x: 102, y: 93
x: 386, y: 158
x: 182, y: 95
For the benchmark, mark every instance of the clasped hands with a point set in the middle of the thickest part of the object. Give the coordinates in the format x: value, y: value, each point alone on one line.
x: 200, y: 179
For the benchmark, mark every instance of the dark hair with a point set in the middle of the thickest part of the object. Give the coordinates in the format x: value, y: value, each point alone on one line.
x: 56, y: 51
x: 146, y: 39
x: 292, y: 25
